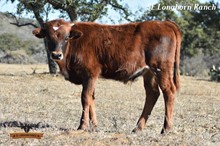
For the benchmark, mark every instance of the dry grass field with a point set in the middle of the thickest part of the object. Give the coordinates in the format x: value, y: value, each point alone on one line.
x: 54, y: 102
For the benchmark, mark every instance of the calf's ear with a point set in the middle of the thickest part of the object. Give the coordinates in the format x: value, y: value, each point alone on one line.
x: 75, y: 34
x: 39, y: 32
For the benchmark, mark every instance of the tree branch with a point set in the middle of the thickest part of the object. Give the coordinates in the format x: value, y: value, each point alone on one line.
x: 69, y: 8
x: 56, y: 5
x: 18, y: 24
x: 120, y: 7
x: 25, y: 24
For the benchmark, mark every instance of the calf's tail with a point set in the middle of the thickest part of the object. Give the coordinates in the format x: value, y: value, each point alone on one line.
x: 176, y: 77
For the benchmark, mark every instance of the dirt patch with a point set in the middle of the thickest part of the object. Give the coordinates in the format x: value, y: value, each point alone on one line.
x: 40, y: 97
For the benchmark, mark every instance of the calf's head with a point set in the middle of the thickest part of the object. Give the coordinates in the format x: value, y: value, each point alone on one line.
x: 57, y: 33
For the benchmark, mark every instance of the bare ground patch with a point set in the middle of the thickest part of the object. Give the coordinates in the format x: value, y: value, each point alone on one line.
x: 51, y: 100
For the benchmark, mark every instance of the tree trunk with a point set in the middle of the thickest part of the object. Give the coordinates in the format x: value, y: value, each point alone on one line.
x: 72, y: 13
x: 51, y: 63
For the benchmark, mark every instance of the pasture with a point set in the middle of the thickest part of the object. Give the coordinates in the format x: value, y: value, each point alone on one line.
x: 56, y: 103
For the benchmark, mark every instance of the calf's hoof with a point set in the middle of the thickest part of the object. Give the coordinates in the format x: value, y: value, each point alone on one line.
x: 165, y: 130
x: 92, y: 128
x: 136, y: 130
x: 83, y: 127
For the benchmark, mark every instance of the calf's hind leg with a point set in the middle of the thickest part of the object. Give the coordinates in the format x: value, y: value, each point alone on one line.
x: 152, y: 94
x: 168, y: 88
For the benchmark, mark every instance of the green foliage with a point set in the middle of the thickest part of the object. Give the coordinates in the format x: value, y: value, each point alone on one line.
x: 10, y: 42
x: 30, y: 5
x: 157, y: 14
x: 91, y: 10
x: 209, y: 22
x: 84, y: 10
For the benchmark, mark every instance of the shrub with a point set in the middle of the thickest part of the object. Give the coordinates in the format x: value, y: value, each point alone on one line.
x: 194, y: 66
x: 215, y: 73
x: 10, y: 42
x: 14, y: 57
x: 14, y: 50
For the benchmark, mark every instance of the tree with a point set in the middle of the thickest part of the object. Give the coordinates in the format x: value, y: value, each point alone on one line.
x: 39, y: 10
x: 84, y: 10
x: 209, y: 22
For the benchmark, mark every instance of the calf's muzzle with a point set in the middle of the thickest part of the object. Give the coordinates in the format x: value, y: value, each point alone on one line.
x: 57, y: 55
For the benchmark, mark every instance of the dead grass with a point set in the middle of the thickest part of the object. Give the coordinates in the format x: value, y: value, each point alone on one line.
x: 40, y: 97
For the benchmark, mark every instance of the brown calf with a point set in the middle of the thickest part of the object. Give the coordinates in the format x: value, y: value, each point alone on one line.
x: 84, y: 51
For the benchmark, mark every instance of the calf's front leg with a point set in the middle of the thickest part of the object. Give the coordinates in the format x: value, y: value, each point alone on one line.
x: 88, y: 104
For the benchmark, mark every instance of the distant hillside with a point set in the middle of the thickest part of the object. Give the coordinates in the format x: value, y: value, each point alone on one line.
x: 24, y: 33
x: 17, y: 44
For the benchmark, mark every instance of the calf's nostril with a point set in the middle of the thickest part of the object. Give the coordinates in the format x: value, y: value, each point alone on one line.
x: 53, y: 55
x: 57, y: 56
